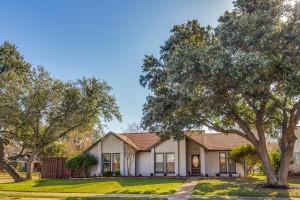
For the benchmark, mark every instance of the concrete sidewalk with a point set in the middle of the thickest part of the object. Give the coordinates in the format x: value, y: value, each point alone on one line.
x: 224, y: 197
x: 185, y: 191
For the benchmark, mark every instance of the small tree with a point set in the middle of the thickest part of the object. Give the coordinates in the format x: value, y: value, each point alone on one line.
x: 83, y: 161
x: 247, y: 156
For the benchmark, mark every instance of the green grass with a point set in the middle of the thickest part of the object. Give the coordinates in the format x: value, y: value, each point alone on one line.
x: 24, y: 195
x: 99, y: 186
x: 243, y: 187
x: 99, y: 198
x: 5, y: 178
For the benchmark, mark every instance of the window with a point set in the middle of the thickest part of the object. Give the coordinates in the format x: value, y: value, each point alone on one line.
x: 110, y: 162
x: 226, y: 165
x: 170, y: 163
x: 106, y: 162
x: 231, y: 166
x: 159, y: 163
x: 223, y: 162
x: 115, y: 162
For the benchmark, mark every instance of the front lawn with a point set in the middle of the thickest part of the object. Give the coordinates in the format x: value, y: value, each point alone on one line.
x: 17, y: 196
x: 98, y: 186
x: 243, y: 187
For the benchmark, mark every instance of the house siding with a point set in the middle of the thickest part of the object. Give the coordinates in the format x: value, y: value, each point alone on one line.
x: 213, y: 164
x: 176, y: 147
x: 143, y: 164
x: 144, y: 161
x: 96, y: 151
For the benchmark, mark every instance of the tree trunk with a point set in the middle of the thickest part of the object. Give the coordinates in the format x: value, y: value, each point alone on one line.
x: 29, y: 167
x: 285, y: 162
x: 7, y: 167
x: 266, y: 162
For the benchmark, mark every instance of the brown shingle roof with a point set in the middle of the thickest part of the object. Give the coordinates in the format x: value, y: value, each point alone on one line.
x: 210, y: 141
x: 143, y: 141
x: 222, y: 141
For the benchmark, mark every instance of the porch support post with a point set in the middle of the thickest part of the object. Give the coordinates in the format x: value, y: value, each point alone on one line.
x: 202, y: 158
x: 99, y: 167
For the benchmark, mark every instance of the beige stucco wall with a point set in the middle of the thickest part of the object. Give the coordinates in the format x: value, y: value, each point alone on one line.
x: 143, y: 164
x: 110, y: 144
x: 213, y: 165
x: 172, y: 146
x: 96, y: 151
x: 133, y: 163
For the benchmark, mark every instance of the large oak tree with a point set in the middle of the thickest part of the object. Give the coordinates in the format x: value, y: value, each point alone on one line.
x: 41, y: 110
x: 241, y: 77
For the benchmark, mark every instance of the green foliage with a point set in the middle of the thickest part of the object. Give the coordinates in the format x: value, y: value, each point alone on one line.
x: 37, y: 110
x: 117, y: 173
x: 55, y: 149
x: 246, y: 155
x: 275, y: 160
x: 241, y: 77
x: 107, y: 174
x: 82, y: 161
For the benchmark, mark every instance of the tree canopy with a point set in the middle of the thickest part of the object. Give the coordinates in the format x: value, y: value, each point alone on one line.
x: 37, y: 110
x: 241, y: 77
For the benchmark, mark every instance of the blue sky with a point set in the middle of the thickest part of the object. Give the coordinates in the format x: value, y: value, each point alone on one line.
x: 103, y: 38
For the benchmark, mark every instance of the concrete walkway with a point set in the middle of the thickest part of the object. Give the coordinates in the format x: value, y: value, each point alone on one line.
x: 224, y: 197
x: 185, y: 191
x: 60, y: 195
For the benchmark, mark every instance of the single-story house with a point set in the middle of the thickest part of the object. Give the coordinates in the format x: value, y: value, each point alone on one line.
x: 145, y: 154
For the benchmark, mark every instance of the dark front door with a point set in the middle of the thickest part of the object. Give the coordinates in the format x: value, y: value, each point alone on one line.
x: 195, y: 164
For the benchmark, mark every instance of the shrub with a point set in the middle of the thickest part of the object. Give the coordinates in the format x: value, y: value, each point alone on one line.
x: 117, y: 173
x: 246, y: 155
x: 84, y: 161
x: 275, y: 160
x: 107, y: 174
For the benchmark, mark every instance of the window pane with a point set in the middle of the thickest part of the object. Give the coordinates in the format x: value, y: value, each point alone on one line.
x: 231, y: 166
x: 159, y: 157
x: 223, y: 164
x: 116, y: 158
x: 159, y: 167
x: 116, y: 167
x: 106, y: 157
x: 106, y: 167
x: 116, y: 162
x: 159, y: 163
x: 170, y: 157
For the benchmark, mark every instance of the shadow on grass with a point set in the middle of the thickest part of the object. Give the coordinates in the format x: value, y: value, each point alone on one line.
x: 252, y: 187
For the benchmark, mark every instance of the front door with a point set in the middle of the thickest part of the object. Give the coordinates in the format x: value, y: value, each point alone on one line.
x: 195, y: 164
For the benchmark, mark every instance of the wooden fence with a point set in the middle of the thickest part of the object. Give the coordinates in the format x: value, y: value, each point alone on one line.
x: 54, y: 167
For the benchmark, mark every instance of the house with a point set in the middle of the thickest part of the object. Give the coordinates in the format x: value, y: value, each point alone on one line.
x: 295, y: 168
x: 145, y: 154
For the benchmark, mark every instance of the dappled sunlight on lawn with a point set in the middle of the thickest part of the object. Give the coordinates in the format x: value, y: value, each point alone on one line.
x: 243, y: 187
x: 101, y: 186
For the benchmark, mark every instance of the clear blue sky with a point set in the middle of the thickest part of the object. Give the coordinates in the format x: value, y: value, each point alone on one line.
x: 103, y: 38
